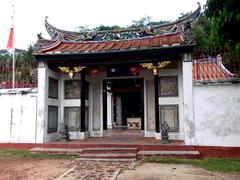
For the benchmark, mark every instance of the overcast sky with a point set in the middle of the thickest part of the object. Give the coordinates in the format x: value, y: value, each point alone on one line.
x: 67, y: 15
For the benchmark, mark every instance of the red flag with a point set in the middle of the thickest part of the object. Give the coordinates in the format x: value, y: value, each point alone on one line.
x: 10, y: 40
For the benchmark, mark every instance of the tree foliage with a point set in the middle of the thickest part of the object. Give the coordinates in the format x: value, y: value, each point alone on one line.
x: 202, y: 33
x: 20, y: 55
x: 83, y: 28
x: 225, y: 17
x: 107, y: 28
x: 145, y: 21
x: 142, y: 22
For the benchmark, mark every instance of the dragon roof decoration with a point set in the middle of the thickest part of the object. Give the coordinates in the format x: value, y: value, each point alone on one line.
x: 180, y: 27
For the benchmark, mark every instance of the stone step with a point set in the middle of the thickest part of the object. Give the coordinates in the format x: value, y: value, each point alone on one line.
x: 129, y: 156
x: 108, y: 150
x: 56, y: 150
x: 115, y: 134
x: 104, y: 159
x: 175, y: 154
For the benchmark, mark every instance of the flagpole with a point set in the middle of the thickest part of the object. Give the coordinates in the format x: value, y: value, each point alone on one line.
x: 13, y: 50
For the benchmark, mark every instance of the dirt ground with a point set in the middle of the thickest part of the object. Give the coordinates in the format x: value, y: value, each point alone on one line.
x: 155, y: 171
x: 32, y: 168
x: 63, y: 169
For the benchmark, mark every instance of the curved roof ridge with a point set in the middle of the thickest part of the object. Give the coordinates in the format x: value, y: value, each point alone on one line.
x: 127, y: 33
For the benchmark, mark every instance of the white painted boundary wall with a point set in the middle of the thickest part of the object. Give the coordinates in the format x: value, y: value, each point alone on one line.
x: 18, y: 115
x: 217, y: 114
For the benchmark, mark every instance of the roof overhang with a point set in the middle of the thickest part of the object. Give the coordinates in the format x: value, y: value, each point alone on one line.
x: 172, y: 53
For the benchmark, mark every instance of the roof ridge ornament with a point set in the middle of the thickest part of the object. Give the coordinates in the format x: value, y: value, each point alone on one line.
x: 128, y: 33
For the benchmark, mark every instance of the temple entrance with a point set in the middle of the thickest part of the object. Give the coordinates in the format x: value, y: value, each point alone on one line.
x: 123, y: 105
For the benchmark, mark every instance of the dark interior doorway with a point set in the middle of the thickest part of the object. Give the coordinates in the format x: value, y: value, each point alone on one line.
x: 127, y: 101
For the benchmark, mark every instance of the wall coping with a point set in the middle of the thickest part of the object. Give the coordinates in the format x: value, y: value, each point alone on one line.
x: 216, y: 82
x: 18, y: 91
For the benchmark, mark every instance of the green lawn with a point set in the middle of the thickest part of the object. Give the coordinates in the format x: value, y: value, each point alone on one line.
x: 13, y: 153
x: 211, y: 164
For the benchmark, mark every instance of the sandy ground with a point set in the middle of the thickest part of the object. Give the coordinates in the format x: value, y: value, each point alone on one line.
x: 173, y: 172
x: 32, y: 168
x: 53, y: 169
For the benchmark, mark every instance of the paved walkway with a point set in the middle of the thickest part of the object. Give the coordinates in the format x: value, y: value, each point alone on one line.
x: 95, y: 170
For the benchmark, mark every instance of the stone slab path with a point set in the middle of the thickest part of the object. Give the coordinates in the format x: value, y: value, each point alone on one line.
x: 95, y: 170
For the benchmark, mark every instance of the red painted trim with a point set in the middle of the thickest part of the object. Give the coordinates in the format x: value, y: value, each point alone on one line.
x: 219, y: 151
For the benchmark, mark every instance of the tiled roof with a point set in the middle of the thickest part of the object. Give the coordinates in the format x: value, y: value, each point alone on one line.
x: 117, y: 45
x: 153, y: 37
x: 210, y: 71
x: 127, y: 32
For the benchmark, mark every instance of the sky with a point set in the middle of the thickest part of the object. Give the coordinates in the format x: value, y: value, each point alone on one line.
x: 68, y: 15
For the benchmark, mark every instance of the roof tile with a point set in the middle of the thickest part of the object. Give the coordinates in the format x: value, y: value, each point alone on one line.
x: 91, y: 46
x: 76, y: 48
x: 117, y: 45
x: 209, y: 71
x: 126, y: 44
x: 135, y: 44
x: 108, y: 45
x: 100, y: 46
x: 164, y: 40
x: 145, y: 43
x: 155, y: 41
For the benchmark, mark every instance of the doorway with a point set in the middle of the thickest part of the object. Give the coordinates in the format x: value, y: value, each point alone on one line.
x: 123, y: 104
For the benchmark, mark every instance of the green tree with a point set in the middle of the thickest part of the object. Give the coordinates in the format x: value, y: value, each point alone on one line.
x: 144, y: 21
x: 107, y: 28
x: 28, y: 54
x: 202, y: 33
x: 83, y: 29
x: 225, y: 17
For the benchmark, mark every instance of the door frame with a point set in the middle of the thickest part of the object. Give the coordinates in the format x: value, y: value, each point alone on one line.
x: 104, y: 100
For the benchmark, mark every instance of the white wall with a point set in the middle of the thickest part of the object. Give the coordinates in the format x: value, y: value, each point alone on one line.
x: 217, y: 114
x: 18, y: 115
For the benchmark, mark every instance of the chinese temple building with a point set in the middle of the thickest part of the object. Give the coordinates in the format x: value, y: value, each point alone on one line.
x: 130, y: 79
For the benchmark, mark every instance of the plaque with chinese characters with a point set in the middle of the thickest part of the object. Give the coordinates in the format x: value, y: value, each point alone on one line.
x: 52, y: 119
x: 72, y: 89
x: 169, y: 114
x: 168, y: 86
x: 53, y: 88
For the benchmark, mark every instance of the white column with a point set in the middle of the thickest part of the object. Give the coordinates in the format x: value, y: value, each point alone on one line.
x: 188, y: 100
x: 109, y: 109
x: 42, y: 103
x: 119, y: 110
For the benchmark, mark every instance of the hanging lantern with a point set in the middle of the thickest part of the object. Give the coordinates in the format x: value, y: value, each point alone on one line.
x: 113, y: 70
x: 135, y: 70
x: 93, y: 71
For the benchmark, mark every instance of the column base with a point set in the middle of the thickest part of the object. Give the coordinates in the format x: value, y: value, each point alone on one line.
x: 158, y: 135
x: 109, y: 126
x: 78, y: 135
x: 96, y: 134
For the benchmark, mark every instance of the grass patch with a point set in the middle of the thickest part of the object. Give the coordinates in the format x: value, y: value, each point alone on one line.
x: 13, y: 154
x: 211, y: 164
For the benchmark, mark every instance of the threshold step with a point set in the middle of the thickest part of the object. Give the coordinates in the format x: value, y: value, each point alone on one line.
x: 56, y: 150
x: 109, y: 150
x: 109, y: 156
x: 105, y: 159
x: 181, y: 154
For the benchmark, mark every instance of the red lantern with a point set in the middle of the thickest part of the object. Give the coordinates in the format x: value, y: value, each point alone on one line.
x: 93, y: 71
x: 135, y: 70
